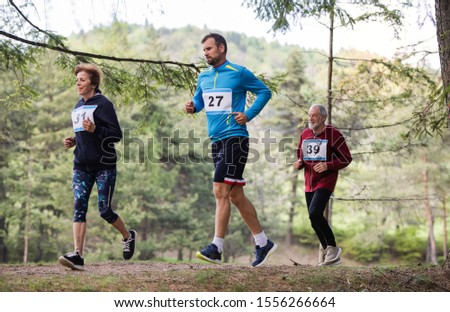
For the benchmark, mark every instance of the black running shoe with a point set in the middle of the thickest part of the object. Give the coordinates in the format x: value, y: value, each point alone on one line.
x: 262, y: 254
x: 129, y: 245
x: 210, y: 254
x: 72, y: 260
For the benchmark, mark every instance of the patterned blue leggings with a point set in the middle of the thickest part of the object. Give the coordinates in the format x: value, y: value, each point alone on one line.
x: 82, y: 184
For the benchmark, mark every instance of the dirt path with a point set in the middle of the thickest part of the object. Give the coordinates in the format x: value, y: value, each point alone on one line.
x: 160, y: 276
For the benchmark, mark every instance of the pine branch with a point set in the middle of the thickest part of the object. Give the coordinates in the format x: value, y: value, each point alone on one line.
x: 98, y: 56
x: 393, y: 150
x: 380, y: 126
x: 28, y: 21
x: 389, y: 199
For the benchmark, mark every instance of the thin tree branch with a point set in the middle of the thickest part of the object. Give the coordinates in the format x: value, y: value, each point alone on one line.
x: 387, y: 151
x: 378, y: 126
x: 98, y: 56
x: 28, y: 21
x: 389, y: 199
x: 337, y: 58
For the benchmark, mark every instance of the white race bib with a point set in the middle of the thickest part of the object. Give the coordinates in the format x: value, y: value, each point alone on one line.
x: 218, y: 101
x: 315, y: 149
x: 82, y: 113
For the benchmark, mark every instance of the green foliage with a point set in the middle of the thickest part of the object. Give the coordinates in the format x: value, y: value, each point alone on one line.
x: 16, y: 64
x: 285, y: 14
x: 432, y: 117
x: 406, y: 244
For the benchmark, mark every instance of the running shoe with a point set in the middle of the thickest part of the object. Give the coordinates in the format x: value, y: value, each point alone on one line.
x: 263, y: 253
x: 210, y: 253
x: 129, y: 245
x: 72, y: 260
x: 332, y: 256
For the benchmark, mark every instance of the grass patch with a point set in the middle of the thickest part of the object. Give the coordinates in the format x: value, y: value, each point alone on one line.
x: 144, y: 276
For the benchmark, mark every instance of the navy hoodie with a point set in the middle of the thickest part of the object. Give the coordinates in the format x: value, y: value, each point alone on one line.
x: 95, y: 151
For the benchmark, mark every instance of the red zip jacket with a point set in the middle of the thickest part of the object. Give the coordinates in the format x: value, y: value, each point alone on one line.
x: 328, y: 146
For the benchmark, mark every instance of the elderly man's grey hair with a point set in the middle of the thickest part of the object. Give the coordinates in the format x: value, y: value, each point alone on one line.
x: 323, y: 110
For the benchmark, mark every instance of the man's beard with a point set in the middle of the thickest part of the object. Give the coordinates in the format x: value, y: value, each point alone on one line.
x: 213, y: 61
x: 314, y: 126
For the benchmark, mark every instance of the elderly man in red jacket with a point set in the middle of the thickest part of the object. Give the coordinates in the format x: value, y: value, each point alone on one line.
x: 322, y: 152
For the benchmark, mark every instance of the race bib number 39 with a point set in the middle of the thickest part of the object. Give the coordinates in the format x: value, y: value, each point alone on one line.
x: 218, y: 101
x: 315, y: 150
x: 80, y: 114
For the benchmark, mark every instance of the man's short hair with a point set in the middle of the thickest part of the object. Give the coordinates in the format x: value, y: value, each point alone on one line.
x: 218, y: 38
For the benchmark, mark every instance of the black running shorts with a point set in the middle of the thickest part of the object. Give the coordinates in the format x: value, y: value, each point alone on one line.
x: 230, y: 156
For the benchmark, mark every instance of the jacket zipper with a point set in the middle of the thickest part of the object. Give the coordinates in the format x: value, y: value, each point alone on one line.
x: 227, y: 121
x: 84, y: 153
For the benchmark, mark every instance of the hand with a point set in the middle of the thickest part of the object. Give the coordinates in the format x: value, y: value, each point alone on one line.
x: 189, y: 107
x: 88, y: 126
x: 320, y: 167
x: 69, y: 142
x: 240, y: 118
x: 298, y: 164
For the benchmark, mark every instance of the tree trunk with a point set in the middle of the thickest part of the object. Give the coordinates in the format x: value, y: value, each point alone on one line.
x: 327, y: 211
x: 27, y: 215
x: 294, y: 201
x: 3, y: 249
x: 444, y: 217
x: 330, y: 68
x: 431, y: 248
x: 442, y: 8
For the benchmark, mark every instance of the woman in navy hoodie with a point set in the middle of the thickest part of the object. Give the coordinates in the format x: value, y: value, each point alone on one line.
x: 96, y: 130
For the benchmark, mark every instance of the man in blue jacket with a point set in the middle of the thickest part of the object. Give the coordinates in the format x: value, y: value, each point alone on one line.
x: 221, y: 91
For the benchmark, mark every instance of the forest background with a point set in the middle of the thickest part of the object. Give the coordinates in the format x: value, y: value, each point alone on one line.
x: 388, y: 207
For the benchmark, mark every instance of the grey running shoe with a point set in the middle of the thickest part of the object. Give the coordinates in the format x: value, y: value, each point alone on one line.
x: 72, y: 260
x: 332, y: 256
x: 129, y: 246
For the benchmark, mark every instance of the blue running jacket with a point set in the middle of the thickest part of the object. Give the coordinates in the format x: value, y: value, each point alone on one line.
x: 223, y: 90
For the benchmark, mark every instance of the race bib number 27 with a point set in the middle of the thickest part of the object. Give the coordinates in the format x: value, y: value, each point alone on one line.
x: 218, y: 101
x: 315, y: 150
x: 80, y: 114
